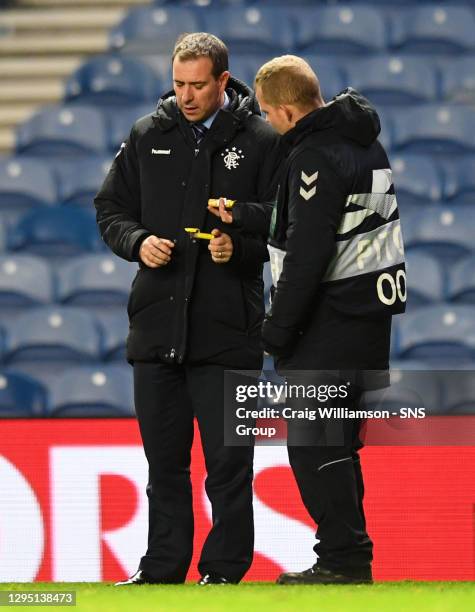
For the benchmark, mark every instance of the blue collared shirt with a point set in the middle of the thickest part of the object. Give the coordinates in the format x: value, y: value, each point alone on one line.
x: 209, y: 122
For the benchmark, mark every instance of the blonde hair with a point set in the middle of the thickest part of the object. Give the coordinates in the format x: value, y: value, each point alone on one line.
x: 288, y: 80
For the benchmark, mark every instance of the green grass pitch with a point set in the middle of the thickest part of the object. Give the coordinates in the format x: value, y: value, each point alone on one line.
x: 260, y: 597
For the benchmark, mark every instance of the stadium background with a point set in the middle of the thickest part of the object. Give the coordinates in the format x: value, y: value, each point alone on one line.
x: 74, y: 76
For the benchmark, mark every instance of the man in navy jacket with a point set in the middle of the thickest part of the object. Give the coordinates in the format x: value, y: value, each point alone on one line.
x: 337, y: 261
x: 196, y: 306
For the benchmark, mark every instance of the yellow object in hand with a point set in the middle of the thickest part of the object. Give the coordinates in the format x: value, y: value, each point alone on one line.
x: 197, y: 234
x: 214, y: 202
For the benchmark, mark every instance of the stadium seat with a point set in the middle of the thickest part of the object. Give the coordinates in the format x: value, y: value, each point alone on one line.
x: 394, y: 80
x: 53, y: 333
x: 343, y: 30
x: 161, y: 65
x: 461, y: 285
x: 440, y: 333
x: 433, y: 29
x: 417, y: 181
x: 458, y: 80
x: 95, y: 280
x: 62, y: 130
x: 121, y: 122
x: 56, y: 232
x: 115, y: 327
x: 433, y: 129
x: 21, y: 396
x: 109, y: 80
x: 150, y: 30
x: 3, y: 233
x: 458, y: 391
x: 245, y: 66
x: 447, y: 233
x: 24, y: 281
x: 460, y: 180
x: 330, y: 73
x: 386, y: 135
x: 25, y: 183
x: 79, y: 181
x: 412, y: 386
x: 252, y: 29
x: 425, y: 279
x: 93, y: 391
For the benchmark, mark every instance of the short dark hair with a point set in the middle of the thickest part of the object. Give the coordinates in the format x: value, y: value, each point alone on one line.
x: 202, y: 44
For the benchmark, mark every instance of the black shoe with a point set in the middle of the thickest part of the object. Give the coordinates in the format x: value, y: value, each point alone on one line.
x: 319, y: 575
x: 212, y: 579
x: 138, y: 578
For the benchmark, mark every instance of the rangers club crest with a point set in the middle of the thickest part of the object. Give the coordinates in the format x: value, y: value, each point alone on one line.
x: 232, y: 157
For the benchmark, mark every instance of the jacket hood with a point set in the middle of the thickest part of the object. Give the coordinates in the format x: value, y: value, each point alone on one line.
x: 349, y: 113
x: 242, y: 104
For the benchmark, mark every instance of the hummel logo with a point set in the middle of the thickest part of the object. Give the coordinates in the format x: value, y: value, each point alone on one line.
x: 308, y: 180
x: 306, y: 195
x: 161, y: 151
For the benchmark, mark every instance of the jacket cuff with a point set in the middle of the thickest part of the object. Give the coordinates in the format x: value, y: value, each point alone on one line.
x: 136, y: 239
x: 239, y: 213
x: 277, y: 340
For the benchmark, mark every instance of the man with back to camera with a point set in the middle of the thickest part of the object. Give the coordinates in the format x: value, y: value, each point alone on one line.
x: 338, y: 265
x: 196, y: 305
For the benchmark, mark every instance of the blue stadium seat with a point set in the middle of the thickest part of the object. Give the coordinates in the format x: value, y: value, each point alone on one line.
x: 330, y: 73
x: 460, y: 180
x: 459, y: 391
x: 53, y: 333
x: 80, y: 180
x: 417, y: 180
x: 252, y: 29
x: 25, y: 183
x: 21, y: 396
x: 394, y: 80
x: 161, y: 65
x: 461, y: 286
x: 245, y: 66
x: 447, y: 233
x: 109, y: 80
x: 56, y: 232
x: 434, y: 129
x: 94, y: 280
x: 121, y: 122
x: 153, y: 29
x: 115, y: 327
x: 425, y: 279
x: 458, y: 80
x: 433, y: 29
x: 93, y: 391
x: 441, y: 333
x: 386, y: 121
x: 25, y: 281
x: 412, y: 386
x: 340, y: 30
x: 62, y: 130
x: 3, y: 233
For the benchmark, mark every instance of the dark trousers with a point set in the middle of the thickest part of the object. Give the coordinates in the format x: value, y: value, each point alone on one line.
x: 167, y: 398
x: 328, y: 474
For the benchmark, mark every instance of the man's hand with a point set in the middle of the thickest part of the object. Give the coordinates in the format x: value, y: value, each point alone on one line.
x: 156, y: 252
x: 226, y: 216
x: 221, y: 247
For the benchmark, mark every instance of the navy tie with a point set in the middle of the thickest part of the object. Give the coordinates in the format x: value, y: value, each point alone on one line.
x: 199, y: 131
